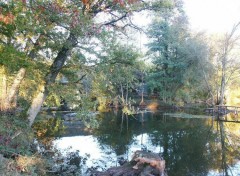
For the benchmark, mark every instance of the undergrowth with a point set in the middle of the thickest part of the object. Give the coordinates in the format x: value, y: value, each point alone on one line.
x: 16, y: 152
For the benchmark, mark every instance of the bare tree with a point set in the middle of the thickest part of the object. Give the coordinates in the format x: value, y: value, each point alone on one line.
x: 227, y: 46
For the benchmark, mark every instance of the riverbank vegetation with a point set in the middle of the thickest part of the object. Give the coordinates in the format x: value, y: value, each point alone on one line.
x: 86, y: 56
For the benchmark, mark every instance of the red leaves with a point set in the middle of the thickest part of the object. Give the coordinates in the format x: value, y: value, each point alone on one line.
x: 7, y: 19
x: 85, y: 2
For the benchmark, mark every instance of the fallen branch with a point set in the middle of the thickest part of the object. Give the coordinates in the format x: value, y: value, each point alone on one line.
x: 16, y: 134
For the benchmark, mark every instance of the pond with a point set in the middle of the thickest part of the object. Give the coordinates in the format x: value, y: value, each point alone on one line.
x: 191, y: 145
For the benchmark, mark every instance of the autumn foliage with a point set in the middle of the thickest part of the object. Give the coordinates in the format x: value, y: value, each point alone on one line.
x: 7, y: 19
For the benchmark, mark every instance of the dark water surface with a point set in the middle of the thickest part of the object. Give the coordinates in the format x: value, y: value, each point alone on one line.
x: 191, y: 145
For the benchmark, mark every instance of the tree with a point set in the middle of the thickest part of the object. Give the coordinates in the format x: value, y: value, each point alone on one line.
x: 195, y: 54
x: 167, y: 33
x: 55, y: 28
x: 163, y: 50
x: 227, y: 59
x: 179, y: 58
x: 118, y: 65
x: 223, y: 55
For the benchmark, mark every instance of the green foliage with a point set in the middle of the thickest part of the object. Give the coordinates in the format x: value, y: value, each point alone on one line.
x: 13, y: 60
x: 169, y: 63
x: 118, y: 66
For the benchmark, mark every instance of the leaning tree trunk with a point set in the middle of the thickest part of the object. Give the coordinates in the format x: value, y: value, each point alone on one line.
x: 50, y: 78
x: 8, y: 98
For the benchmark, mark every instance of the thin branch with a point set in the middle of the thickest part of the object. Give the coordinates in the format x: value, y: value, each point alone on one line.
x: 115, y: 20
x: 80, y: 79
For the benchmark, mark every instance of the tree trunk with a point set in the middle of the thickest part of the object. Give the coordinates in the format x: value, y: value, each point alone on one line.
x: 12, y: 93
x: 142, y: 88
x: 8, y: 98
x: 223, y: 82
x: 37, y: 104
x: 55, y: 68
x: 127, y: 94
x: 123, y: 102
x: 3, y: 89
x: 222, y: 91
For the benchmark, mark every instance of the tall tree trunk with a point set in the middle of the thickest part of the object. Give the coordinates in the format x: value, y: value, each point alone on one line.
x: 223, y: 82
x: 127, y: 94
x: 123, y: 102
x: 222, y: 91
x: 142, y: 100
x: 50, y: 77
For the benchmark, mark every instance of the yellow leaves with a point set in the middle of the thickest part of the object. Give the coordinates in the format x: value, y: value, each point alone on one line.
x: 41, y: 133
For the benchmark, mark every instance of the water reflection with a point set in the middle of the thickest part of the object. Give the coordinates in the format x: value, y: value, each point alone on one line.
x: 190, y: 146
x: 229, y: 144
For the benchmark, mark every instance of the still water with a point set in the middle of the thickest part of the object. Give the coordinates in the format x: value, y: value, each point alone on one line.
x: 192, y: 145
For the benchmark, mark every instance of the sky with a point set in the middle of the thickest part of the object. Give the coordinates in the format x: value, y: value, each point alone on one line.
x: 212, y: 16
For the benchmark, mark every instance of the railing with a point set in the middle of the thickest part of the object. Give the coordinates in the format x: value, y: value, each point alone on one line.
x: 221, y: 112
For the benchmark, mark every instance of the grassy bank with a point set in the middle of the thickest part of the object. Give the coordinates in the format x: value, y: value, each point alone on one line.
x: 17, y: 156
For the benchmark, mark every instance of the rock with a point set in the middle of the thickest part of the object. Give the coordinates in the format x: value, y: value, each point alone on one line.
x: 151, y: 159
x: 142, y: 164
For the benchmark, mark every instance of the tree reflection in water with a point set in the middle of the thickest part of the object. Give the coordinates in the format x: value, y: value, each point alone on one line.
x: 47, y: 130
x: 190, y: 146
x: 230, y: 143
